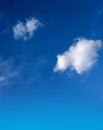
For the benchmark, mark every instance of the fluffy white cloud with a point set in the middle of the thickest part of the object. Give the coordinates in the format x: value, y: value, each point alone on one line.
x: 25, y: 30
x: 81, y: 56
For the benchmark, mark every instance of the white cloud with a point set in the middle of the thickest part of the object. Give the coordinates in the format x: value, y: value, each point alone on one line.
x: 8, y: 73
x: 25, y: 30
x: 81, y: 56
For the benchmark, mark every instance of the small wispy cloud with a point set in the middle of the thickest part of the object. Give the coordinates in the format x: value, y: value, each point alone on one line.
x: 100, y: 13
x: 81, y: 56
x: 26, y: 30
x: 7, y: 72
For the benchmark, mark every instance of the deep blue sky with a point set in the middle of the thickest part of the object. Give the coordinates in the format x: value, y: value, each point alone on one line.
x: 37, y: 98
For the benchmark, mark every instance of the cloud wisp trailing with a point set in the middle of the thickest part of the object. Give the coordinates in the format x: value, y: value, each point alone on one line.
x: 8, y: 74
x: 26, y: 30
x: 81, y: 56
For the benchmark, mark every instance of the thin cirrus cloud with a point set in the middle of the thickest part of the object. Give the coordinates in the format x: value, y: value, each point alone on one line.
x: 81, y: 56
x: 26, y: 30
x: 8, y: 74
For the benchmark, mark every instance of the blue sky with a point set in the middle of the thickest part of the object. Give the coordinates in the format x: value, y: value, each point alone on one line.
x: 51, y: 65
